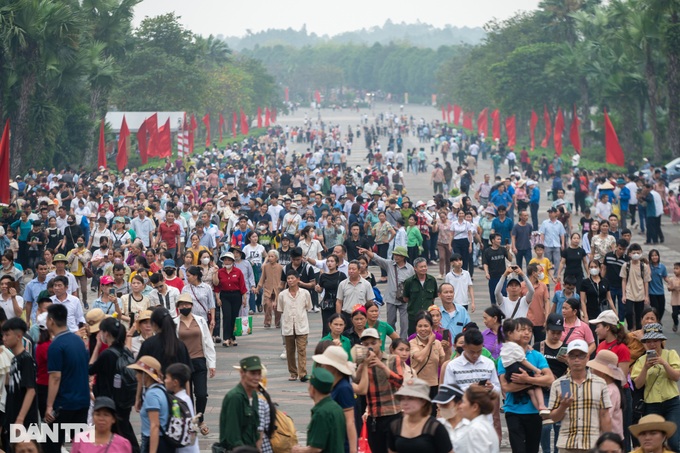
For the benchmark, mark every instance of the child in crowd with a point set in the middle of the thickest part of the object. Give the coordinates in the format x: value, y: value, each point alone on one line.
x: 402, y: 349
x: 176, y: 377
x: 674, y: 288
x: 544, y: 262
x: 513, y: 357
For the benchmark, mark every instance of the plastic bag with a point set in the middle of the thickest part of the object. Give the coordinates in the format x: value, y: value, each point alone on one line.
x: 243, y: 324
x: 363, y: 441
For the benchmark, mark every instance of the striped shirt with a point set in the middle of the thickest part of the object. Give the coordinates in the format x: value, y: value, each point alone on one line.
x: 581, y: 422
x: 463, y: 372
x: 380, y: 399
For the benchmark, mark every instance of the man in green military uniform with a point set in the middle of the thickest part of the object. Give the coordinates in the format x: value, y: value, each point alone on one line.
x: 326, y: 430
x: 420, y: 291
x: 239, y: 417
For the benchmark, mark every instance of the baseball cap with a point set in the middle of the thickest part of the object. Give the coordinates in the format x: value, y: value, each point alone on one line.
x: 607, y: 317
x: 578, y: 345
x: 370, y: 333
x: 555, y: 322
x: 169, y: 263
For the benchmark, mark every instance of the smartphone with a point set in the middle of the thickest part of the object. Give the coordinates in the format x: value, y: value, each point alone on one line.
x: 119, y: 295
x: 482, y: 382
x: 562, y: 351
x: 651, y: 354
x: 565, y: 388
x: 112, y: 292
x: 446, y: 335
x: 16, y: 286
x: 81, y: 325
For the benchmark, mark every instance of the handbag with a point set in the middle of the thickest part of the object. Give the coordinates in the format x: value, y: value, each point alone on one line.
x: 88, y: 271
x: 202, y: 306
x: 363, y: 446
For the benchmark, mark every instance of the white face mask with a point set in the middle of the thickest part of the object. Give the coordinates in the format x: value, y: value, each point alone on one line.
x: 228, y: 266
x: 541, y: 276
x: 594, y: 271
x: 194, y: 213
x: 205, y: 261
x: 312, y: 234
x: 635, y: 256
x: 447, y: 413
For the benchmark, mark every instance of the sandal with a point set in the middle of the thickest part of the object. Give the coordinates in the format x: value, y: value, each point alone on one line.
x: 205, y: 430
x: 234, y: 343
x: 292, y: 378
x: 226, y: 344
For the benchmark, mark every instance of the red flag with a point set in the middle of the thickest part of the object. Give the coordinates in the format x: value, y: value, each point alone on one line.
x: 152, y: 128
x: 233, y: 124
x: 4, y: 165
x: 101, y: 155
x: 221, y: 125
x: 192, y: 127
x: 456, y: 114
x: 443, y: 113
x: 124, y: 134
x: 285, y: 94
x: 574, y: 132
x: 273, y: 113
x: 483, y: 122
x: 259, y: 117
x: 511, y: 131
x: 611, y: 143
x: 496, y: 124
x: 143, y: 141
x: 532, y: 129
x: 449, y: 109
x: 548, y: 127
x: 267, y: 117
x: 244, y: 123
x: 164, y: 140
x: 467, y: 120
x: 559, y: 129
x: 317, y: 96
x: 206, y: 121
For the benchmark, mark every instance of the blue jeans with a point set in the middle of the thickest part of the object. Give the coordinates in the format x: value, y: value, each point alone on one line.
x: 545, y: 433
x: 492, y: 289
x: 670, y: 410
x: 523, y: 255
x: 642, y: 214
x: 617, y: 295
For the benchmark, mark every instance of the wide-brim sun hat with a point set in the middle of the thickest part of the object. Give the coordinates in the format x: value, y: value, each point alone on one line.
x: 415, y: 388
x: 229, y: 255
x: 607, y: 362
x: 652, y: 331
x: 401, y: 251
x: 149, y: 365
x: 336, y: 357
x: 653, y: 422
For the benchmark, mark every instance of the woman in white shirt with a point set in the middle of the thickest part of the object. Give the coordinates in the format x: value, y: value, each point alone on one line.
x: 310, y: 246
x: 478, y: 435
x: 98, y: 233
x: 462, y: 237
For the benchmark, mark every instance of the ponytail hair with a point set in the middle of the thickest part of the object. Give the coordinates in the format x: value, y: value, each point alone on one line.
x: 116, y: 329
x: 495, y: 312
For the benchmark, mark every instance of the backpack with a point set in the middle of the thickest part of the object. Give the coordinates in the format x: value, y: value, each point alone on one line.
x: 284, y: 436
x: 396, y: 177
x: 378, y: 298
x: 124, y: 379
x: 179, y: 431
x: 642, y: 271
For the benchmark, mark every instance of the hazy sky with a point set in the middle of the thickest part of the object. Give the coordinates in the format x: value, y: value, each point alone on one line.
x: 225, y: 17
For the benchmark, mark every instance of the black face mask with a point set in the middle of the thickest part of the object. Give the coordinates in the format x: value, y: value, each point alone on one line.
x: 185, y: 311
x: 104, y: 247
x: 459, y: 350
x: 71, y: 222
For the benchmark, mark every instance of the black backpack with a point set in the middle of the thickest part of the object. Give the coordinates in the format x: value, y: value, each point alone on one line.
x: 124, y: 379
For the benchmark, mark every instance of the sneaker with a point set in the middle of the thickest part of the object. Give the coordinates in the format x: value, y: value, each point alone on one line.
x: 251, y: 312
x: 283, y: 355
x: 675, y: 327
x: 86, y: 306
x: 259, y: 308
x: 316, y: 309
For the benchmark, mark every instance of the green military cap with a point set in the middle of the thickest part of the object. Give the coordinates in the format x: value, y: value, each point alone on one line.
x: 322, y: 380
x: 251, y: 363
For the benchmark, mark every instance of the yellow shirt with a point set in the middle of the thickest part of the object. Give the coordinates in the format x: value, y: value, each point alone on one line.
x: 547, y: 267
x: 658, y: 388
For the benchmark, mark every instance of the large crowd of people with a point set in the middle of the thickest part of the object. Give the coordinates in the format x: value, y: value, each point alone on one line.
x: 117, y: 292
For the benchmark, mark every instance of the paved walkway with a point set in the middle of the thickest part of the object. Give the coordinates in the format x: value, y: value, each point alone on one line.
x: 292, y: 397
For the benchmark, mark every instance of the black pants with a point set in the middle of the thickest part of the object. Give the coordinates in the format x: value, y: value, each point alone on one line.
x: 378, y: 429
x: 163, y: 445
x: 413, y: 253
x: 658, y: 301
x: 41, y: 394
x: 524, y: 432
x: 674, y: 315
x: 199, y: 384
x: 125, y: 428
x: 65, y: 416
x: 637, y: 308
x: 325, y: 314
x: 462, y: 246
x: 539, y: 334
x: 533, y: 207
x: 231, y: 304
x: 218, y: 322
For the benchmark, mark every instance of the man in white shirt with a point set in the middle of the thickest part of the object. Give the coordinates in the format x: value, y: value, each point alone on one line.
x: 461, y: 281
x: 514, y: 305
x: 72, y: 303
x: 60, y: 263
x: 633, y: 202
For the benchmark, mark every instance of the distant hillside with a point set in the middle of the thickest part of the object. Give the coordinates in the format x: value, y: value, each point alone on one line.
x: 417, y: 34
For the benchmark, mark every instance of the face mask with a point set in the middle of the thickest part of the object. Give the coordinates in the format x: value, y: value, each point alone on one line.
x: 459, y: 350
x: 80, y: 244
x: 185, y: 311
x: 541, y: 276
x: 194, y: 213
x: 594, y: 271
x: 312, y: 235
x: 447, y: 413
x: 293, y: 211
x: 104, y: 247
x: 635, y: 256
x: 205, y: 261
x: 117, y: 260
x: 71, y: 222
x: 228, y: 266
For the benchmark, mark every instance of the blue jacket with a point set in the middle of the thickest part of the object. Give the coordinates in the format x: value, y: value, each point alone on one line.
x: 535, y: 196
x: 624, y: 198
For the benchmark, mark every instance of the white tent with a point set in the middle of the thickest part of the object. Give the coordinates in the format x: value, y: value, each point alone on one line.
x: 135, y: 119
